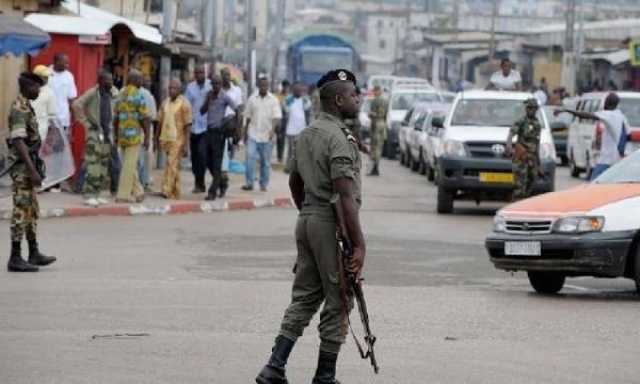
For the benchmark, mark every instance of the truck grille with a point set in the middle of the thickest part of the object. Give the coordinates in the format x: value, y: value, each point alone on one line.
x: 485, y: 149
x: 529, y: 226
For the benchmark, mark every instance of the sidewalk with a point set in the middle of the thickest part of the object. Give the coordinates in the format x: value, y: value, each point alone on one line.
x: 53, y: 205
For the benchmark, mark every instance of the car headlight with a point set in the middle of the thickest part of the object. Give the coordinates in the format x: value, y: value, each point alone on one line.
x: 579, y: 224
x: 547, y: 151
x: 454, y: 148
x: 499, y: 224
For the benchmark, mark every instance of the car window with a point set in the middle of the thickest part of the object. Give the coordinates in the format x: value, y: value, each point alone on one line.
x: 488, y: 112
x: 407, y: 117
x: 406, y: 100
x: 420, y: 121
x: 631, y: 109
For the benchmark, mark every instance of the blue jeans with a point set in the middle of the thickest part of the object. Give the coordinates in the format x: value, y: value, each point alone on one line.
x: 257, y: 151
x: 598, y: 170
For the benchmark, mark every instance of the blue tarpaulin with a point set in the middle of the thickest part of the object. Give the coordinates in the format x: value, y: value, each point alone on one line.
x: 19, y: 37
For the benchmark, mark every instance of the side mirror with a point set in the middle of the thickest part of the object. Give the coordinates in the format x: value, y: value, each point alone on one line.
x: 437, y: 122
x: 558, y: 126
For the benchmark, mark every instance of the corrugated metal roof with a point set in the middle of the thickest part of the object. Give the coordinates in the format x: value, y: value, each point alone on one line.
x: 69, y: 25
x: 139, y: 30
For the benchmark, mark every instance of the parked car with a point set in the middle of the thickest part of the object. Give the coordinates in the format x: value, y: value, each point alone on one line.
x: 401, y: 100
x: 472, y: 162
x: 430, y: 143
x: 388, y: 83
x: 560, y: 129
x: 415, y: 133
x: 363, y: 116
x: 584, y: 231
x: 583, y: 142
x: 406, y: 126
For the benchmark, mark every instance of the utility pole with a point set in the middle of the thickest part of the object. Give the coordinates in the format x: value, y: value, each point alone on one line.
x: 569, y: 55
x: 494, y: 17
x: 250, y: 45
x: 280, y: 20
x: 167, y: 37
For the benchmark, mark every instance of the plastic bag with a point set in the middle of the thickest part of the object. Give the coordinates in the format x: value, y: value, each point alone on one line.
x: 55, y: 151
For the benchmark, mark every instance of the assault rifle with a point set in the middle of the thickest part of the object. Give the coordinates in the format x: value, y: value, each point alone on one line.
x: 33, y: 153
x: 354, y: 285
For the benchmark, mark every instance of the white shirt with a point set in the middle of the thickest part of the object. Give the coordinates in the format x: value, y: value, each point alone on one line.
x: 63, y: 86
x: 235, y: 94
x: 297, y: 119
x: 541, y: 96
x: 613, y: 121
x: 262, y: 111
x: 506, y: 83
x: 152, y: 106
x: 46, y: 107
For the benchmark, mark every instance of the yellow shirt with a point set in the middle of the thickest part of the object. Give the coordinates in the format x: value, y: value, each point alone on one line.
x: 174, y: 116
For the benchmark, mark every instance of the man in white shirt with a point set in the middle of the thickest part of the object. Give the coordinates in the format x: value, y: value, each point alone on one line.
x: 63, y: 85
x: 507, y: 79
x: 263, y: 116
x: 297, y: 108
x: 46, y: 105
x: 614, y: 135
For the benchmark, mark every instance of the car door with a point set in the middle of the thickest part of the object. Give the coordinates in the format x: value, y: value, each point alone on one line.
x: 404, y: 128
x: 574, y: 134
x: 416, y: 133
x: 434, y: 139
x: 584, y: 136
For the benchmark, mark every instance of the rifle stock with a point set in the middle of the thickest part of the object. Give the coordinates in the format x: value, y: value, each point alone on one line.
x: 354, y: 285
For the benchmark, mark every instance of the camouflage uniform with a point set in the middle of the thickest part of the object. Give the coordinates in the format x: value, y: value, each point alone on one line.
x: 526, y: 167
x: 23, y: 125
x: 378, y: 115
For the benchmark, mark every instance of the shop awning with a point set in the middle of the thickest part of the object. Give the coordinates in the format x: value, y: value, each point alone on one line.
x: 614, y: 58
x: 69, y: 25
x: 140, y: 31
x: 18, y: 37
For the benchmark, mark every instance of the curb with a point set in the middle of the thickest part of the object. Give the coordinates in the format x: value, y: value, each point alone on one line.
x: 160, y: 210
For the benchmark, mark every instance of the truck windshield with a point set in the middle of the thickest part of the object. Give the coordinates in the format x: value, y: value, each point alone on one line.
x: 321, y: 62
x: 486, y: 112
x: 631, y: 110
x: 405, y: 100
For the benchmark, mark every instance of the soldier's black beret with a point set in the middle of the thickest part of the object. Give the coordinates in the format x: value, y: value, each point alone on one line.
x: 336, y: 76
x: 531, y: 102
x: 31, y: 77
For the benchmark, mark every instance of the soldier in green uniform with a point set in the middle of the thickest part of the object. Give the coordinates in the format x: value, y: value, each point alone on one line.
x: 378, y: 116
x: 525, y: 154
x: 326, y: 162
x: 27, y: 174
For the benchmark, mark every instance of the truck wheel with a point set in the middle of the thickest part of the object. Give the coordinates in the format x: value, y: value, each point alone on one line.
x: 445, y: 201
x: 548, y: 283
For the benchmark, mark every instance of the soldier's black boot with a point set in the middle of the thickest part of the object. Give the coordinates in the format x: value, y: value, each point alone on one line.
x: 374, y: 170
x: 326, y: 371
x: 16, y: 262
x: 38, y: 258
x: 274, y: 371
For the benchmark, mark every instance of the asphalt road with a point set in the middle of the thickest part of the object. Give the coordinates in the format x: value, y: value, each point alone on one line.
x: 198, y: 299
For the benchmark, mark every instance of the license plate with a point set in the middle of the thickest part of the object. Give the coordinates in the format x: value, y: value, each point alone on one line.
x: 522, y: 248
x: 489, y: 177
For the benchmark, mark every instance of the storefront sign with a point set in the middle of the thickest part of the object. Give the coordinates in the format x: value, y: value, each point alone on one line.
x: 95, y: 40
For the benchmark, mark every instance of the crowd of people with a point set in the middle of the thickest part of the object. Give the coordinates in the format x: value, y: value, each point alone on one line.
x: 207, y: 120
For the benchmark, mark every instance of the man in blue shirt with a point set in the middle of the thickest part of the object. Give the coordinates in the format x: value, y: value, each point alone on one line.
x: 215, y: 108
x: 196, y: 93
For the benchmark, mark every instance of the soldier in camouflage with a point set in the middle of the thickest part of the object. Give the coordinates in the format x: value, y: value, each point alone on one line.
x: 525, y: 153
x: 95, y: 110
x: 378, y: 116
x: 27, y: 174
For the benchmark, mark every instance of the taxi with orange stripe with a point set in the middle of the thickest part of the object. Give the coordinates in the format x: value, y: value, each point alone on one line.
x: 589, y: 230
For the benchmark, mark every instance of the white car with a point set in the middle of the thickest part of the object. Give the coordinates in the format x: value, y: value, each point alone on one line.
x: 471, y: 159
x: 407, y: 125
x: 418, y: 135
x: 583, y: 142
x: 401, y: 101
x: 388, y: 82
x: 589, y: 230
x: 430, y: 142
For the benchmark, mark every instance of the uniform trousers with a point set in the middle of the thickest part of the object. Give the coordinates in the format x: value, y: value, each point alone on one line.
x: 317, y: 281
x: 97, y: 160
x: 26, y: 211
